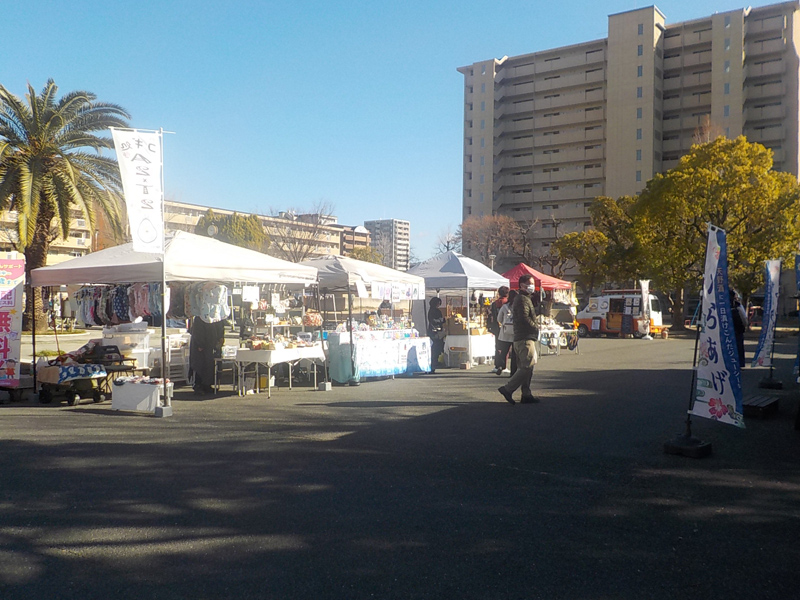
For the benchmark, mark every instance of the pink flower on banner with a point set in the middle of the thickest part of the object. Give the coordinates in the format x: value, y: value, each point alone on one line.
x: 716, y: 408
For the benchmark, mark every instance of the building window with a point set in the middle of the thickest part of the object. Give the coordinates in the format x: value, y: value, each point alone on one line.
x: 481, y: 199
x: 727, y: 88
x: 483, y: 143
x: 727, y: 20
x: 727, y: 66
x: 641, y: 28
x: 483, y: 88
x: 639, y: 71
x: 726, y: 111
x: 482, y: 178
x: 638, y: 113
x: 483, y: 70
x: 638, y: 175
x: 483, y: 106
x: 639, y: 92
x: 639, y: 133
x: 727, y: 44
x: 638, y: 154
x: 483, y: 124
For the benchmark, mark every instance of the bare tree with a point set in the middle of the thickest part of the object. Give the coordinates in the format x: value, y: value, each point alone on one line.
x: 447, y: 241
x: 707, y: 131
x: 488, y: 235
x: 297, y: 234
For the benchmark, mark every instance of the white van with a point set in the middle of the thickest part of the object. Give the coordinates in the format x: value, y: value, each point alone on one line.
x: 619, y: 311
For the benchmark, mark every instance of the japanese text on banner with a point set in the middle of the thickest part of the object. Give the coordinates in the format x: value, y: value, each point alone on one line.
x: 718, y: 393
x: 139, y: 156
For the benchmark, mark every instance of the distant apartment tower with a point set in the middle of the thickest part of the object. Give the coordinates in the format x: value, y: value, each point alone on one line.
x: 545, y: 133
x: 392, y: 238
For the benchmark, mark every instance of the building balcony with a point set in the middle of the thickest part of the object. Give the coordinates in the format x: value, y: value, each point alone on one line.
x: 761, y: 47
x: 771, y: 24
x: 687, y: 81
x: 762, y: 135
x: 510, y: 90
x: 770, y: 90
x: 513, y: 109
x: 673, y: 63
x: 764, y: 113
x: 766, y: 69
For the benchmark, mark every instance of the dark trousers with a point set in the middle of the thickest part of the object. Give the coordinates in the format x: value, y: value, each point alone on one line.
x: 437, y: 348
x: 501, y: 354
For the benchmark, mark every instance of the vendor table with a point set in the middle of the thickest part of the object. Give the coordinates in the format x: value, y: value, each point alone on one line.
x: 255, y: 358
x: 468, y: 348
x: 378, y: 353
x: 553, y: 339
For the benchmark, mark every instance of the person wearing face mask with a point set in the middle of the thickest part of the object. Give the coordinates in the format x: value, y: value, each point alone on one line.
x: 526, y: 332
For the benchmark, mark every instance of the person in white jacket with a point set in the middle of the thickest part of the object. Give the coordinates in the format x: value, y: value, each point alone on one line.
x: 505, y: 338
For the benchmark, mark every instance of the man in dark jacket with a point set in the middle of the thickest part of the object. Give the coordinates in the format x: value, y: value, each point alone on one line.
x: 526, y: 332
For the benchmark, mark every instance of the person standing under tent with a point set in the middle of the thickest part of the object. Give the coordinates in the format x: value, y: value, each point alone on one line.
x: 505, y: 337
x: 494, y: 327
x: 436, y: 331
x: 205, y: 345
x: 526, y: 332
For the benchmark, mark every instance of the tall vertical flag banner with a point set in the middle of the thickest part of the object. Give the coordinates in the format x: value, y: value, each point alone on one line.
x: 797, y: 283
x: 718, y: 393
x: 12, y: 284
x: 763, y: 355
x: 645, y: 320
x: 139, y: 155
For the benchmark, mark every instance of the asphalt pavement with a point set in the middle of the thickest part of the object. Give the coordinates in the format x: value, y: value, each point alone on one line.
x: 423, y: 487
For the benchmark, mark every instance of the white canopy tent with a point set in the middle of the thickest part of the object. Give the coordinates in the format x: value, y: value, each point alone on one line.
x: 340, y: 272
x: 454, y: 271
x: 187, y: 257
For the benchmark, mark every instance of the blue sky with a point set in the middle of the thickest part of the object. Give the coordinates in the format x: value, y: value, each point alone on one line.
x: 279, y: 105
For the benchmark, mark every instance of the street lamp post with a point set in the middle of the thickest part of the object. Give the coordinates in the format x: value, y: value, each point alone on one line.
x: 491, y: 258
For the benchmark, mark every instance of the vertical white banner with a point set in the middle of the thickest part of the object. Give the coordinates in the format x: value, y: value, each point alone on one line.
x: 644, y: 323
x: 718, y: 393
x: 140, y: 160
x: 763, y: 355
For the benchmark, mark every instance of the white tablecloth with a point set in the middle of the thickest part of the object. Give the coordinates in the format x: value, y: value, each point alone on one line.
x: 270, y: 358
x: 475, y: 347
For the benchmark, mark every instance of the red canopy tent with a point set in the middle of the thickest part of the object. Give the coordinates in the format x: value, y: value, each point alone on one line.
x: 543, y: 282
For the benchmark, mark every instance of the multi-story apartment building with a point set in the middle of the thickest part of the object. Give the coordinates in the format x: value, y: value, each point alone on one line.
x: 81, y: 239
x: 545, y: 133
x: 392, y: 238
x: 297, y: 234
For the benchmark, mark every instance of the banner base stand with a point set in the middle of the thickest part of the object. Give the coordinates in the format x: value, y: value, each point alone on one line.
x: 769, y: 383
x: 163, y: 411
x: 688, y: 445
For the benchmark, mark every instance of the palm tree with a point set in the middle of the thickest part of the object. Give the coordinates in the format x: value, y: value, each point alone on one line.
x: 51, y: 164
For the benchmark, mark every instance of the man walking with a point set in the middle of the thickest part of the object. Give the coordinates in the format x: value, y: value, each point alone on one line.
x: 526, y: 332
